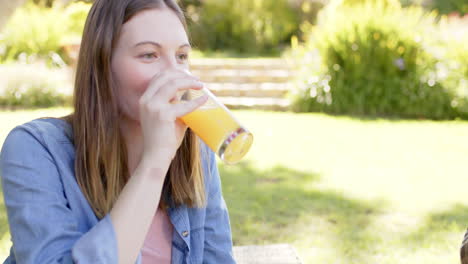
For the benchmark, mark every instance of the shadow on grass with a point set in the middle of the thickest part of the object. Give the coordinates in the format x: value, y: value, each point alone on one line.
x: 279, y: 204
x: 439, y: 224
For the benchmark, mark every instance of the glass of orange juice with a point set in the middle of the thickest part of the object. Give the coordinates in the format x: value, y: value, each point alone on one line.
x: 217, y: 127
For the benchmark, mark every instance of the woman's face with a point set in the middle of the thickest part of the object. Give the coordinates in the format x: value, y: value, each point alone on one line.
x: 152, y: 41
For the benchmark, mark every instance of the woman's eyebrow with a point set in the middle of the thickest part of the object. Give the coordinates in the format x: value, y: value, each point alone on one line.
x: 159, y: 45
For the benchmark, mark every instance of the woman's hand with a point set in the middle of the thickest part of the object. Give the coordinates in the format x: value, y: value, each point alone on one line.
x: 159, y: 109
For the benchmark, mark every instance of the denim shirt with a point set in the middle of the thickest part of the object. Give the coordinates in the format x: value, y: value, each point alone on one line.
x: 52, y: 222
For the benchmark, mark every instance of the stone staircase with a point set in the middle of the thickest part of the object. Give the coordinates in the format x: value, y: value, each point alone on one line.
x: 247, y: 83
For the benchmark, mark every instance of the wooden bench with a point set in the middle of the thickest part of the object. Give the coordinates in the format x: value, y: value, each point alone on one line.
x: 267, y: 254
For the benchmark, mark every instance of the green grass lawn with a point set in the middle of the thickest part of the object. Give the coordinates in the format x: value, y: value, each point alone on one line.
x: 340, y: 189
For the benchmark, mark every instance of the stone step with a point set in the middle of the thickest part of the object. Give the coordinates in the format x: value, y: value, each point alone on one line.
x: 239, y: 64
x: 272, y: 90
x: 243, y: 76
x: 277, y: 104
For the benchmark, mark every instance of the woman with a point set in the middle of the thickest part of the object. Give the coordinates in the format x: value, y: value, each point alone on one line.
x: 121, y: 180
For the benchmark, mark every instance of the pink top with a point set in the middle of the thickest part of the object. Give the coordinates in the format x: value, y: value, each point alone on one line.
x: 158, y: 241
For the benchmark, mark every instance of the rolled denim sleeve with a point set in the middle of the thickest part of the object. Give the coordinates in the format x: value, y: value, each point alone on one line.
x: 218, y: 240
x: 42, y: 226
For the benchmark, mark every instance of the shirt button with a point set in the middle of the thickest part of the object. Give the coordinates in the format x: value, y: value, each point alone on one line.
x: 185, y: 234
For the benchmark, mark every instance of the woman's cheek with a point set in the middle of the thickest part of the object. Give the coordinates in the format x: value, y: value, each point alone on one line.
x: 139, y: 79
x: 132, y: 81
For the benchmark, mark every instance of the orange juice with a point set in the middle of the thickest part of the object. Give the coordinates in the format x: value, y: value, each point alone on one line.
x: 217, y: 127
x: 213, y: 125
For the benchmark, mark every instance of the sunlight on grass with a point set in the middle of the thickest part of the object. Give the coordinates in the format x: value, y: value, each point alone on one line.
x: 10, y: 119
x: 404, y: 175
x: 367, y: 159
x: 5, y: 243
x: 340, y: 189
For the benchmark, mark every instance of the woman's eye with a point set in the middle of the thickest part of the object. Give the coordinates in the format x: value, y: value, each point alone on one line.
x: 183, y: 56
x: 148, y: 56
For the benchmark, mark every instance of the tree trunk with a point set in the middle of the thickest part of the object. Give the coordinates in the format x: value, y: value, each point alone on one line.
x: 7, y: 9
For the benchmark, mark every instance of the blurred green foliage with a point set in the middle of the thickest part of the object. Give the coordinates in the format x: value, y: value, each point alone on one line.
x: 452, y: 53
x: 450, y: 6
x: 374, y: 58
x: 260, y: 27
x: 442, y: 6
x: 245, y: 26
x: 76, y: 14
x: 360, y: 57
x: 44, y: 3
x: 38, y: 95
x: 37, y: 32
x: 32, y: 86
x: 33, y: 31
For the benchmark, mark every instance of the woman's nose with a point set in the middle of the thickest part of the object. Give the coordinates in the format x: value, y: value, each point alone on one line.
x: 170, y: 63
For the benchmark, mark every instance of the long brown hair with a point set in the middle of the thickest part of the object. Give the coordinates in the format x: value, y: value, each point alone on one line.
x: 101, y: 167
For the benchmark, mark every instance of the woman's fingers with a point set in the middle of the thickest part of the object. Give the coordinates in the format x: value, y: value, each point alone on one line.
x: 169, y: 90
x: 162, y: 96
x: 182, y: 109
x: 158, y: 81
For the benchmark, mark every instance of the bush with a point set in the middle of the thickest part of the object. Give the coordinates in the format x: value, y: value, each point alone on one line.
x: 33, y: 31
x: 76, y: 14
x: 449, y: 6
x: 441, y: 6
x: 244, y: 26
x: 372, y: 59
x: 452, y: 69
x: 36, y: 32
x: 33, y: 86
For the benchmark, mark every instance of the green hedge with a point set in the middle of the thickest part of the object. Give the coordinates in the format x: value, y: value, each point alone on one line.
x: 244, y: 26
x: 374, y: 59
